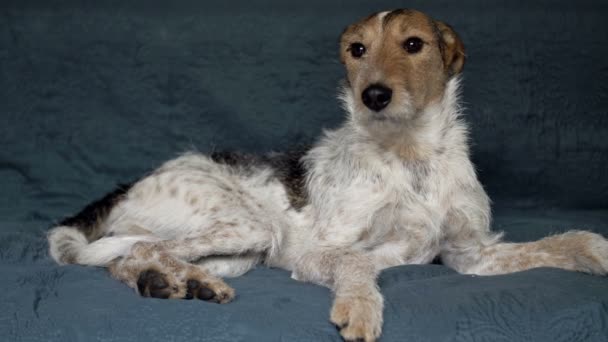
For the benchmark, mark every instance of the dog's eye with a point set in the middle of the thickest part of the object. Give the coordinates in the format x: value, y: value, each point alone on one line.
x: 413, y: 45
x: 357, y: 50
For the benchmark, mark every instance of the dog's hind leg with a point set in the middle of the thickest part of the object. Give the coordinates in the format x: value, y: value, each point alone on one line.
x: 229, y: 265
x: 155, y: 273
x: 223, y: 240
x: 166, y: 268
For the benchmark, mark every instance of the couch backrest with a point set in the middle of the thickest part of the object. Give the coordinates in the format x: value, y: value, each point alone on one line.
x: 97, y: 92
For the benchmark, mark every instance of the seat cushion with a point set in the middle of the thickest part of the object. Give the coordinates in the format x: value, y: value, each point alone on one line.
x: 42, y: 301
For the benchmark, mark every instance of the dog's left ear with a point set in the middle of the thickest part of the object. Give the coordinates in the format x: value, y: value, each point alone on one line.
x: 452, y: 48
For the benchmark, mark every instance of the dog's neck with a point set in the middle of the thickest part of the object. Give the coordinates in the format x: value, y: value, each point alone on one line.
x: 431, y: 131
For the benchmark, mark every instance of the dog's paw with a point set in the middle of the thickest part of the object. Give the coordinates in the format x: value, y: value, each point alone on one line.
x: 152, y: 283
x: 358, y: 318
x: 215, y: 291
x: 589, y: 252
x: 156, y: 284
x: 581, y: 251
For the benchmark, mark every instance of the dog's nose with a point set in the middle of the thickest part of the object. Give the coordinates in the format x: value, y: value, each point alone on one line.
x: 376, y: 97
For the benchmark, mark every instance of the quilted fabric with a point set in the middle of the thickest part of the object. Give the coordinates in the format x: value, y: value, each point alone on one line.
x: 93, y: 93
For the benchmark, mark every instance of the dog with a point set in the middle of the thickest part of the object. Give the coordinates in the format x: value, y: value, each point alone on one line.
x: 393, y: 185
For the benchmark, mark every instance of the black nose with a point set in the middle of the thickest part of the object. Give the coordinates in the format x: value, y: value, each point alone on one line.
x: 376, y: 97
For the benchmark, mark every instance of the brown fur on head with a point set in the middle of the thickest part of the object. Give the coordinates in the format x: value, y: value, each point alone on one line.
x: 417, y: 79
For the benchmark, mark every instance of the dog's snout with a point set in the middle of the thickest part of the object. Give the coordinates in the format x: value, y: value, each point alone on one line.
x: 376, y: 97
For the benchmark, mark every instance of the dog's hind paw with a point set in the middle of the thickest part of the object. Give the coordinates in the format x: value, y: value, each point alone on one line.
x: 151, y: 283
x: 216, y: 291
x: 157, y: 284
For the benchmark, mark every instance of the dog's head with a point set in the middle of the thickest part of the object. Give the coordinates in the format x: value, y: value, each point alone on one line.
x: 398, y: 63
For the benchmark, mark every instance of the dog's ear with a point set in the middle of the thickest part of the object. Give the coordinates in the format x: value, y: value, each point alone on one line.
x: 452, y: 48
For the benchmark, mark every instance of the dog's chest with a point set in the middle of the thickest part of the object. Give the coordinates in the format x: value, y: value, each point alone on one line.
x: 418, y: 175
x: 385, y: 194
x: 408, y: 204
x: 415, y: 182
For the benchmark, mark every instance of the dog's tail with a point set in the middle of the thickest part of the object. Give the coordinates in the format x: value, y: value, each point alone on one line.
x: 68, y: 245
x: 80, y: 239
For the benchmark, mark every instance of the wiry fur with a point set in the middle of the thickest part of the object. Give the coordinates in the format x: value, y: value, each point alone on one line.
x: 387, y: 188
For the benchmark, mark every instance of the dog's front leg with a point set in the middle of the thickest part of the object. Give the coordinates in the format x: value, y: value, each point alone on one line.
x: 351, y: 275
x: 575, y: 250
x: 471, y: 248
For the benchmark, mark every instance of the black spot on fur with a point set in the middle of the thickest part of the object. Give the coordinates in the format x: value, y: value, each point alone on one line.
x: 394, y: 14
x: 88, y: 219
x: 235, y: 158
x: 287, y: 166
x: 292, y: 174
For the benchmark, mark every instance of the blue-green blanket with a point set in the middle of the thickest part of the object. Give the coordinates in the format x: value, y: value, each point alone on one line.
x: 94, y: 93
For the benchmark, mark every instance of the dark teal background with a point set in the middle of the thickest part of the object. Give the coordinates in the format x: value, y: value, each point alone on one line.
x: 93, y: 93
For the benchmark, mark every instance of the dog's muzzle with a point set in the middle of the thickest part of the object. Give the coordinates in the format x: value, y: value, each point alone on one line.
x: 376, y: 97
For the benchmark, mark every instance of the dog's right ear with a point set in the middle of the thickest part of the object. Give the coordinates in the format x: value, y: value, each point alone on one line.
x: 452, y: 49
